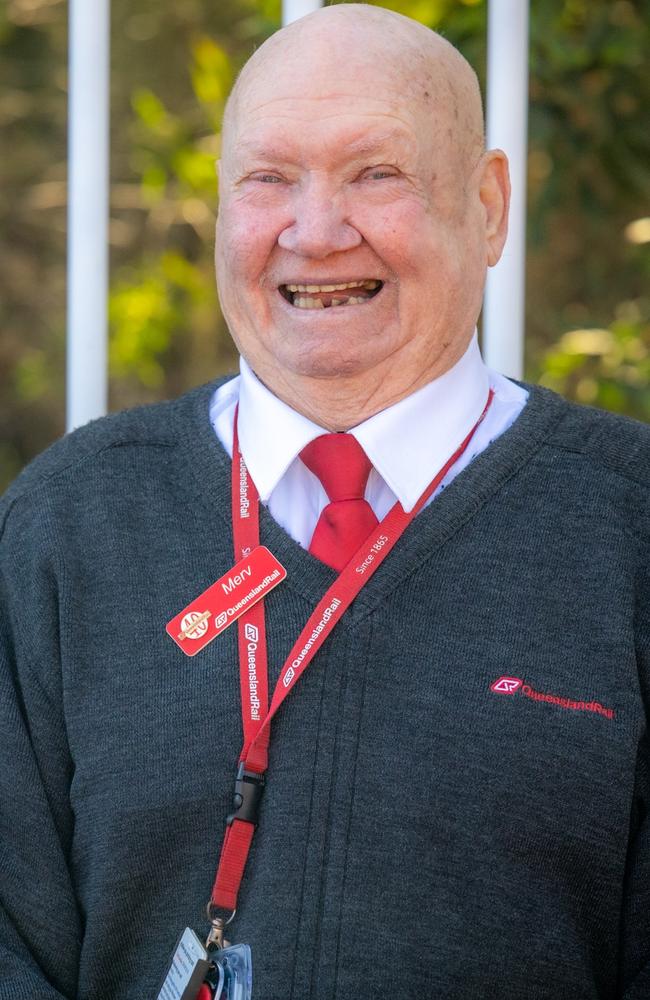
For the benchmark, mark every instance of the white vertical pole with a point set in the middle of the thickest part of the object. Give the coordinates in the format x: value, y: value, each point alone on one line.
x: 507, y: 123
x: 293, y: 9
x: 88, y: 152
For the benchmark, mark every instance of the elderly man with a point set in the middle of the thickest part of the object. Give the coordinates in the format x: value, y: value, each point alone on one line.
x: 410, y: 661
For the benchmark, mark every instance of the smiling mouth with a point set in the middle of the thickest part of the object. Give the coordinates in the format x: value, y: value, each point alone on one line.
x: 349, y: 293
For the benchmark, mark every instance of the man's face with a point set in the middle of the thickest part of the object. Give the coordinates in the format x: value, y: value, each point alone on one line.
x: 352, y: 182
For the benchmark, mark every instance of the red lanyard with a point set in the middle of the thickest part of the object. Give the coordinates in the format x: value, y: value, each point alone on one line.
x: 256, y: 712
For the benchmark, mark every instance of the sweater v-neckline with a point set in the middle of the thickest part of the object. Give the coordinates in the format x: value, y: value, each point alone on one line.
x: 208, y: 465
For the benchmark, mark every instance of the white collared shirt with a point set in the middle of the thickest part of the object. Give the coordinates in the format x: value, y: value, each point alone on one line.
x: 407, y: 443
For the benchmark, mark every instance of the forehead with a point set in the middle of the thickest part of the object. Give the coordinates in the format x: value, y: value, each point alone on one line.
x: 360, y: 130
x: 352, y: 124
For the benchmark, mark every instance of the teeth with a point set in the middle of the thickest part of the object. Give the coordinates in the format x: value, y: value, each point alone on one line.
x: 370, y: 284
x: 303, y: 302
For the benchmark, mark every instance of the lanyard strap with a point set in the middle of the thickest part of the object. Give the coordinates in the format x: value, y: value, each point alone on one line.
x: 256, y: 712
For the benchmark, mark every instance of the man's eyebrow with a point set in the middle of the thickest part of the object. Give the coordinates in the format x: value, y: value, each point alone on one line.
x: 372, y: 144
x: 259, y: 148
x: 362, y: 146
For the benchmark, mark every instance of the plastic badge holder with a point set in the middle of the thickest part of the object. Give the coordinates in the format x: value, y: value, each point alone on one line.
x: 232, y: 977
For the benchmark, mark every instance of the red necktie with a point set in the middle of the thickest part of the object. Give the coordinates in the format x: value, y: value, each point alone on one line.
x: 343, y: 467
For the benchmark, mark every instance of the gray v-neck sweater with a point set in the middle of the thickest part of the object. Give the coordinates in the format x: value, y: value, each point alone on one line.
x: 422, y: 834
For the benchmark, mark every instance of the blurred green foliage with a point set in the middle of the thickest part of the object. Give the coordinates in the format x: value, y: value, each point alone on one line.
x: 588, y: 308
x: 607, y: 367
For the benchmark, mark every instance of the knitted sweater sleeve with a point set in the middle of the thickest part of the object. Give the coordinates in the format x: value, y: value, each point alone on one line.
x: 40, y: 927
x: 635, y: 927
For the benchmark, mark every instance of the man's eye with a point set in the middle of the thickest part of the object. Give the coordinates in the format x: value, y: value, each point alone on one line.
x: 378, y: 174
x: 266, y: 178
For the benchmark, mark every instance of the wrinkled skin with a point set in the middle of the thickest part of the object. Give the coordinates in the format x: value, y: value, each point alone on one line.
x: 353, y: 150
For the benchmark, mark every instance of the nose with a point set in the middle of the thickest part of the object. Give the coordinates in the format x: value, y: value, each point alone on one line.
x: 319, y: 227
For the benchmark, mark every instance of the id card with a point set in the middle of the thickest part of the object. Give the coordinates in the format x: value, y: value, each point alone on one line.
x: 188, y: 969
x: 232, y: 975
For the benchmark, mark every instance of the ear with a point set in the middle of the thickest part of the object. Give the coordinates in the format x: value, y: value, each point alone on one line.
x: 494, y: 192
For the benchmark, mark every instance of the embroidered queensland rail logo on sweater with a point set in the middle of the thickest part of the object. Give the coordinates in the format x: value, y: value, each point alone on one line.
x: 513, y: 685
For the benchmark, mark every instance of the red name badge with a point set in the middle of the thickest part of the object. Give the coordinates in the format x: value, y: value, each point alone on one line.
x: 225, y: 601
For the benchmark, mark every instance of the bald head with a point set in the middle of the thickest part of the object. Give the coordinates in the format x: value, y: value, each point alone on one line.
x: 372, y: 48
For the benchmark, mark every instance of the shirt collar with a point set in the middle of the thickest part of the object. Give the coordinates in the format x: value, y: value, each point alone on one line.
x: 407, y: 443
x: 271, y: 433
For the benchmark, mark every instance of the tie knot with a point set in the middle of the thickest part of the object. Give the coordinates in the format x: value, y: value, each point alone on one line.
x: 340, y: 463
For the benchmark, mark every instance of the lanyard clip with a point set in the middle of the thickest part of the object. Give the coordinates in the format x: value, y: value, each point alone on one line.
x: 215, y: 938
x: 248, y: 794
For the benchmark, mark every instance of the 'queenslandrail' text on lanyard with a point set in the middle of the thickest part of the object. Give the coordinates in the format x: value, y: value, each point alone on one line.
x: 253, y: 664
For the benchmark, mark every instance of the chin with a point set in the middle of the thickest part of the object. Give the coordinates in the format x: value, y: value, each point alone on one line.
x: 327, y: 365
x: 330, y: 355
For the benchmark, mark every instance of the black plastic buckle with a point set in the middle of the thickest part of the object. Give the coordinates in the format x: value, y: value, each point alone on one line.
x: 248, y: 794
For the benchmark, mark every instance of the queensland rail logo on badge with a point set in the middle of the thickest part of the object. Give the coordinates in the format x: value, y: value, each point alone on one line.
x: 249, y: 580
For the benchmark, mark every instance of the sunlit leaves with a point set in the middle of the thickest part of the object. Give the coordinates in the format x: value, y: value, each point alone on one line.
x: 151, y: 112
x: 147, y: 308
x: 638, y: 231
x: 426, y: 11
x: 211, y: 71
x: 606, y: 367
x: 142, y: 317
x: 195, y: 169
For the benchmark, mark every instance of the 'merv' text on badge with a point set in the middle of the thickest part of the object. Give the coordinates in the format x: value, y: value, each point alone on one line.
x: 236, y: 580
